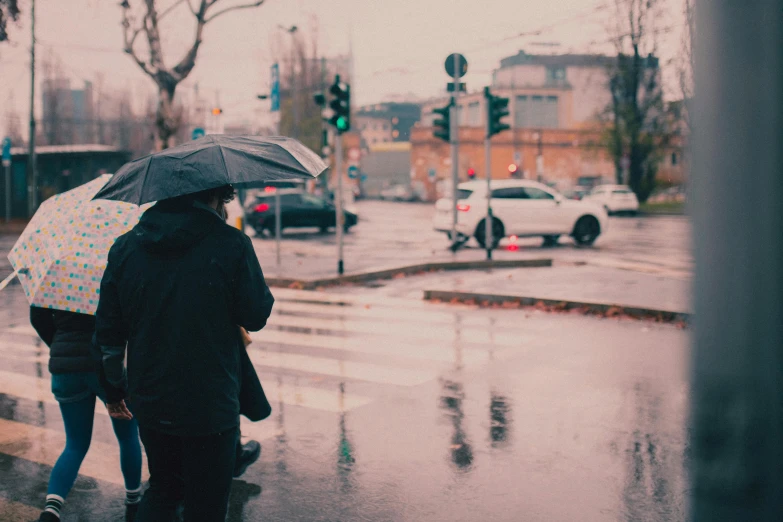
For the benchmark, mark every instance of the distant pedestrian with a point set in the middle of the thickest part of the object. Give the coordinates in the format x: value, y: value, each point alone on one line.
x: 175, y: 292
x: 76, y: 384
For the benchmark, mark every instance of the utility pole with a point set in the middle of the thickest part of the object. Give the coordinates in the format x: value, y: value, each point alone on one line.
x: 540, y: 156
x: 33, y: 179
x: 736, y: 385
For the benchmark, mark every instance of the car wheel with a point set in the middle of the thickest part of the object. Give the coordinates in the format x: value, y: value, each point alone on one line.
x: 324, y: 230
x: 586, y: 231
x: 346, y: 228
x: 259, y: 230
x: 498, y: 231
x: 269, y: 226
x: 550, y: 241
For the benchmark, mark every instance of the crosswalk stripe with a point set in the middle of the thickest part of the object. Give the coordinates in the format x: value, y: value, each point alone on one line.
x: 38, y: 390
x: 376, y: 346
x: 433, y: 313
x: 337, y: 368
x: 11, y: 511
x: 437, y: 334
x: 43, y: 445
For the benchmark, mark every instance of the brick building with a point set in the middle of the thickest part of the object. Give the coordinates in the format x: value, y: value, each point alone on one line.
x: 554, y: 103
x: 569, y: 157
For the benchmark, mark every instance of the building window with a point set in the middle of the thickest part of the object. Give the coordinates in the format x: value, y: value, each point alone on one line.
x: 521, y: 116
x: 555, y: 75
x: 474, y: 114
x: 537, y: 112
x: 674, y: 159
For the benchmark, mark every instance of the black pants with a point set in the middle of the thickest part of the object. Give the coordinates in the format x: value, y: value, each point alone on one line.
x: 193, y: 471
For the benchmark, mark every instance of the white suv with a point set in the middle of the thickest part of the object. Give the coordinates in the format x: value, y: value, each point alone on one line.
x: 520, y: 208
x: 614, y: 198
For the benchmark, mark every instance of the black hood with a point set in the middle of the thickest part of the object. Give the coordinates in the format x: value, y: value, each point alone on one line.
x: 169, y: 228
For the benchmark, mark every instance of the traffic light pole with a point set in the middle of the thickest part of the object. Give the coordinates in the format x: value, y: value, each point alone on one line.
x: 454, y: 132
x: 488, y: 240
x: 338, y: 200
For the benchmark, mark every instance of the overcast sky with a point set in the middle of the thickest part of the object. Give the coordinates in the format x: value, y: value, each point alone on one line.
x: 398, y: 46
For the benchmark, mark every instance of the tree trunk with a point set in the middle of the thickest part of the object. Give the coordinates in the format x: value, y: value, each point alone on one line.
x: 166, y: 122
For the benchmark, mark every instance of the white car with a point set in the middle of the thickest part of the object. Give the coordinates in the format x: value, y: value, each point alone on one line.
x: 614, y: 198
x: 520, y: 208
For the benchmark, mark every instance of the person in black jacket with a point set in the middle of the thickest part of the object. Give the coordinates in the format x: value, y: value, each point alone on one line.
x: 76, y: 382
x: 176, y: 289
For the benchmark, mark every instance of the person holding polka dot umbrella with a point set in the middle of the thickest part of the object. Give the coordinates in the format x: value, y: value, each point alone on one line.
x: 59, y: 260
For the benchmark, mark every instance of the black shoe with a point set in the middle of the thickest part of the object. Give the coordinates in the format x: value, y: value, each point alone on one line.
x: 48, y: 516
x: 130, y: 512
x: 250, y: 453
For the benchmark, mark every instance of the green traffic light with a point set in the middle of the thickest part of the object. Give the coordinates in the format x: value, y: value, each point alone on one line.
x: 341, y: 124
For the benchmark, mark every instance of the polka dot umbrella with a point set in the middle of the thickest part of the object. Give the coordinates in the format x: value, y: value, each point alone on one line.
x: 61, y: 255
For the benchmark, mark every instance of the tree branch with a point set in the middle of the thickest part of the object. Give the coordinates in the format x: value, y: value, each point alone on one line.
x: 130, y: 36
x: 171, y: 8
x: 233, y: 8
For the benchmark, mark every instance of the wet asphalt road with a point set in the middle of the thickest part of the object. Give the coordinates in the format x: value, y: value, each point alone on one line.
x: 391, y: 409
x: 394, y: 234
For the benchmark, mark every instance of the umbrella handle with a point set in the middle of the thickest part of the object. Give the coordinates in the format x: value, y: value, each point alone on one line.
x: 7, y: 280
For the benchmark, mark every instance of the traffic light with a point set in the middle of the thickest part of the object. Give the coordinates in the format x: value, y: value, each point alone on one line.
x: 340, y: 105
x: 471, y: 173
x: 442, y: 125
x: 512, y: 168
x: 497, y: 109
x: 217, y: 111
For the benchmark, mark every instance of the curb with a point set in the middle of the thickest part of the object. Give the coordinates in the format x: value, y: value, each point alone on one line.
x: 391, y: 273
x: 557, y: 305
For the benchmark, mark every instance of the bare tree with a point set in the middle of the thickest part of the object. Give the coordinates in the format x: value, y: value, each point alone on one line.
x: 638, y: 125
x: 154, y: 65
x: 13, y: 124
x: 9, y: 11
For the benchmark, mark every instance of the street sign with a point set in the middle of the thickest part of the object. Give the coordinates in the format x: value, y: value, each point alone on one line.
x: 462, y: 65
x: 363, y: 177
x: 198, y: 132
x: 6, y: 152
x: 274, y: 93
x: 353, y: 172
x: 450, y: 87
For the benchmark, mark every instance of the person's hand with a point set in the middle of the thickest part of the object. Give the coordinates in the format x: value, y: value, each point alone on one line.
x: 118, y: 410
x: 245, y: 337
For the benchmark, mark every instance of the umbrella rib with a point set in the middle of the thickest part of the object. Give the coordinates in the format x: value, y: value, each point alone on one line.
x: 144, y: 181
x: 223, y: 159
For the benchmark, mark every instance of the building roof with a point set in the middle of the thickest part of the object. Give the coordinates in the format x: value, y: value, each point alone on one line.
x: 557, y: 60
x: 66, y: 149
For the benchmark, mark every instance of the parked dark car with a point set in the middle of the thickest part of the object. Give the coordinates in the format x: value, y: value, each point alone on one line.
x: 297, y: 209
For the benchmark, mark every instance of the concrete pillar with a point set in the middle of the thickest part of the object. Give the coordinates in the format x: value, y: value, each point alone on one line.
x: 737, y: 206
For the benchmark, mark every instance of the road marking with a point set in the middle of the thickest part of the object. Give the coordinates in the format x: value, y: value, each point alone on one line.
x: 43, y: 445
x: 376, y: 346
x: 12, y: 511
x: 436, y: 336
x: 337, y: 368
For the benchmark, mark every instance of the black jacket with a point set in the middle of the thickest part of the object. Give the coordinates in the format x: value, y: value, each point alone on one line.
x: 176, y: 288
x: 69, y: 338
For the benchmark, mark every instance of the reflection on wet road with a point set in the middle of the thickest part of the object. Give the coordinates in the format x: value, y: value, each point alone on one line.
x: 399, y: 410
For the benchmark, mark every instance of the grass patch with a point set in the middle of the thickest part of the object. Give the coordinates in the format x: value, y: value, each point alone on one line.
x: 667, y: 207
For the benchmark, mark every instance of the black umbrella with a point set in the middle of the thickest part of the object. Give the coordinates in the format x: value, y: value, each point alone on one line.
x: 210, y: 162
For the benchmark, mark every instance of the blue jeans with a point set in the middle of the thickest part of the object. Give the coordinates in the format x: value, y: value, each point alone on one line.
x: 76, y: 393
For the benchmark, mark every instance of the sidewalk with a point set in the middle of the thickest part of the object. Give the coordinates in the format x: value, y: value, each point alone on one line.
x: 561, y: 282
